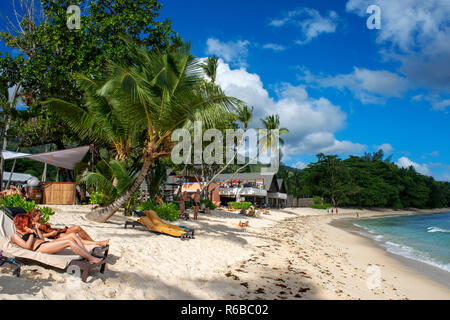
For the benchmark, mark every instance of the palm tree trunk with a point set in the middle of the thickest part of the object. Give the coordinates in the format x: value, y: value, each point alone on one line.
x: 103, y: 214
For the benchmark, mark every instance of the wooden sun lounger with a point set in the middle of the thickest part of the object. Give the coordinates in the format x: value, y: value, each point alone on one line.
x: 64, y: 260
x: 155, y: 224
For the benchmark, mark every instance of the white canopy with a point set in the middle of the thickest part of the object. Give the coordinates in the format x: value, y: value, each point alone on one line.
x: 67, y: 158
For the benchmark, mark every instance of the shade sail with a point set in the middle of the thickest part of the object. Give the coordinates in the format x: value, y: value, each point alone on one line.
x: 67, y: 158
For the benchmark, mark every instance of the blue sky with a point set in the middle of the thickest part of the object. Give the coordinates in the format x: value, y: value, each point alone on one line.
x: 339, y: 87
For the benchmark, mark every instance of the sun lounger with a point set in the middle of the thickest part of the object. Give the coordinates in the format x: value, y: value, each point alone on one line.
x: 155, y: 224
x: 65, y: 259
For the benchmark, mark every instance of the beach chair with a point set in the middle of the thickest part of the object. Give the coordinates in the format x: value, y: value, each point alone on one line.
x: 64, y: 260
x: 155, y: 224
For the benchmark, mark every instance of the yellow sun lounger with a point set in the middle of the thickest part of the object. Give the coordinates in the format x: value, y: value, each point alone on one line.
x: 155, y: 224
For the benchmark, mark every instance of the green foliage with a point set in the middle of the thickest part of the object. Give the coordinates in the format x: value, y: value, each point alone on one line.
x: 98, y: 197
x: 321, y: 206
x: 317, y: 200
x: 46, y: 212
x: 111, y: 179
x: 168, y: 211
x: 370, y: 181
x: 52, y: 54
x: 208, y: 203
x: 240, y: 205
x: 147, y: 205
x: 16, y: 201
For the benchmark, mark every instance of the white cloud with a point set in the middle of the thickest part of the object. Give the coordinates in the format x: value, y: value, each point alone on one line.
x: 386, y: 147
x: 233, y: 52
x: 311, y: 122
x: 368, y: 86
x: 432, y: 154
x: 274, y: 47
x: 299, y: 165
x: 404, y: 162
x: 417, y: 34
x: 310, y: 22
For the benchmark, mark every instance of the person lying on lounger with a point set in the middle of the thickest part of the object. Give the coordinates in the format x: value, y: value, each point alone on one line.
x: 30, y: 237
x: 58, y: 233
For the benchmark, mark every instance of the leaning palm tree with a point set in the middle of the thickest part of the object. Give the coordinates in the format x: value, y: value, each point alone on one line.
x: 157, y: 93
x: 210, y: 67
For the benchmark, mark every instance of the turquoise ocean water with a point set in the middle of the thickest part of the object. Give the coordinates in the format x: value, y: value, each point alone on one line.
x: 425, y: 238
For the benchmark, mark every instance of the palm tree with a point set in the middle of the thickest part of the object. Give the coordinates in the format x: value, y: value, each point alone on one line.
x: 156, y: 93
x: 96, y: 121
x: 267, y: 138
x: 210, y: 67
x: 245, y: 115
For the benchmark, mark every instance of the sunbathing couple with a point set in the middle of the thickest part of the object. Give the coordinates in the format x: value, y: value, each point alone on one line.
x: 29, y: 235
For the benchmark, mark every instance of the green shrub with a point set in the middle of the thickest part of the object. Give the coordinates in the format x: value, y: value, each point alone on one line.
x: 168, y: 211
x: 397, y: 205
x: 17, y: 201
x: 208, y: 204
x: 46, y: 212
x: 98, y: 198
x: 147, y: 205
x: 240, y: 205
x: 317, y: 200
x: 321, y: 206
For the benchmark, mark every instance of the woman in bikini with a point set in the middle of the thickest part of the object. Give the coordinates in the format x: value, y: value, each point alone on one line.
x: 56, y: 233
x: 30, y: 237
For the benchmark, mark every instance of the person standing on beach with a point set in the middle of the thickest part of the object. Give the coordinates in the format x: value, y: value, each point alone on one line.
x: 331, y: 210
x: 336, y: 210
x: 182, y: 204
x: 197, y: 203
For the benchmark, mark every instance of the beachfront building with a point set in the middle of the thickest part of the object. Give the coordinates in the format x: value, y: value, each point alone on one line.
x: 15, y: 178
x: 260, y: 189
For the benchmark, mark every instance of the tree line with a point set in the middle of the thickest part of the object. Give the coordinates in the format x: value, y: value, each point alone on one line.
x: 370, y: 181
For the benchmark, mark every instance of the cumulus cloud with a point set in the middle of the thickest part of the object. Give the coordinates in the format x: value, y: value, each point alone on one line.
x: 404, y: 162
x: 311, y: 122
x: 368, y: 86
x: 386, y: 147
x: 233, y: 52
x: 310, y: 22
x: 417, y: 34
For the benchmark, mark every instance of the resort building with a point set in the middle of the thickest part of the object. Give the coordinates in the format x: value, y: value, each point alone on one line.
x: 260, y: 189
x: 15, y: 178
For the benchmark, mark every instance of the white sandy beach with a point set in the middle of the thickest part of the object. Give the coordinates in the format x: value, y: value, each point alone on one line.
x: 287, y: 254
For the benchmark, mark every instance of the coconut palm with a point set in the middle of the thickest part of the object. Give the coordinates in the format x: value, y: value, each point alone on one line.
x: 110, y: 178
x: 268, y: 135
x: 156, y: 93
x: 245, y: 115
x: 210, y: 67
x: 96, y: 120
